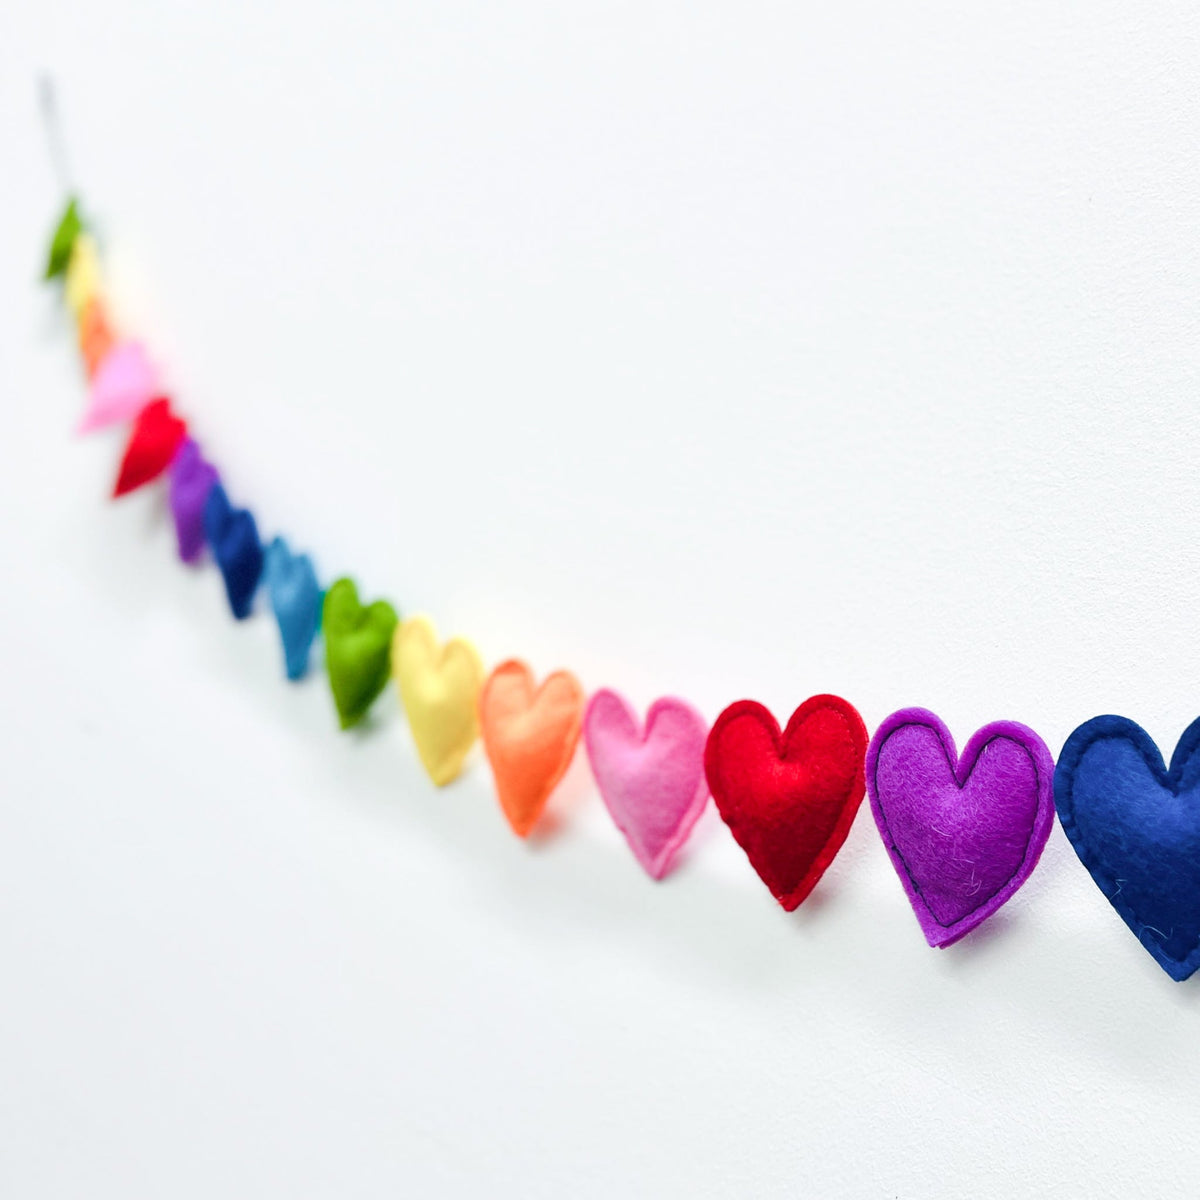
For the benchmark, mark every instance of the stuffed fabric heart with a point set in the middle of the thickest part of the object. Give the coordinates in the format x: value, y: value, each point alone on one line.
x: 296, y: 599
x: 652, y: 779
x: 192, y: 478
x: 153, y: 443
x: 963, y: 833
x: 529, y: 734
x: 1136, y: 827
x: 439, y: 686
x: 123, y: 385
x: 233, y: 538
x: 788, y: 798
x: 82, y: 281
x: 69, y: 227
x: 358, y: 642
x: 95, y: 335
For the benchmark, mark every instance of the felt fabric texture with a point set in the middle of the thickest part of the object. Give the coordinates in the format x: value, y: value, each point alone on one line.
x: 1136, y: 827
x: 192, y: 478
x: 358, y: 645
x: 650, y: 778
x: 233, y: 538
x: 296, y: 599
x: 82, y: 282
x: 96, y: 337
x: 788, y: 798
x: 963, y: 833
x: 69, y: 227
x: 123, y: 385
x: 529, y: 735
x: 153, y: 442
x: 439, y: 687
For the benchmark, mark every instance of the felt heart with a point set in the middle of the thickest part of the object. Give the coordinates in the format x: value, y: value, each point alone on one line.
x: 95, y: 335
x: 358, y: 643
x: 156, y: 437
x: 651, y: 779
x: 83, y: 274
x: 296, y: 598
x: 233, y: 538
x: 192, y: 478
x: 1136, y: 827
x: 789, y: 799
x: 123, y: 385
x: 963, y: 833
x: 439, y: 686
x: 529, y: 734
x: 68, y: 229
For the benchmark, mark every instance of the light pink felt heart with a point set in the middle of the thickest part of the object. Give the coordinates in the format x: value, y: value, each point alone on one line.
x: 652, y: 780
x: 124, y: 383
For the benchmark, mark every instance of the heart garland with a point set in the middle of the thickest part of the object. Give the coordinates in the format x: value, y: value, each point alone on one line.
x: 964, y: 833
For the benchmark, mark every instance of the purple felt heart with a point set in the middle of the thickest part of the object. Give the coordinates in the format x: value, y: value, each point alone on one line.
x: 963, y: 834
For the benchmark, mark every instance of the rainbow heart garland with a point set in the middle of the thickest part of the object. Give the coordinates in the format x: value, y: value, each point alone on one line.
x: 964, y: 833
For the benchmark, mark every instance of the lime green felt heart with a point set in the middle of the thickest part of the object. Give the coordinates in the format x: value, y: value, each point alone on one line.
x: 69, y: 228
x: 358, y: 646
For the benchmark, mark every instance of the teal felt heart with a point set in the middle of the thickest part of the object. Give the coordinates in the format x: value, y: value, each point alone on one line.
x: 358, y: 648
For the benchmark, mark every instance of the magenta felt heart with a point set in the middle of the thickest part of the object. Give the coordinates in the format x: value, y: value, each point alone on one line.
x: 652, y: 780
x: 963, y: 834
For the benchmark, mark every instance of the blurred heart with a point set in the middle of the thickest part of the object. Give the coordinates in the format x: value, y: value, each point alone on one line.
x: 439, y: 686
x: 123, y: 385
x: 233, y: 537
x: 651, y: 779
x: 530, y: 734
x: 156, y: 437
x: 358, y: 643
x: 192, y: 478
x: 296, y: 599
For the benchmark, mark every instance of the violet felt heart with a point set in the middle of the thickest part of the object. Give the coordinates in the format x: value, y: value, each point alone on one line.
x: 963, y: 834
x: 192, y: 478
x: 651, y: 779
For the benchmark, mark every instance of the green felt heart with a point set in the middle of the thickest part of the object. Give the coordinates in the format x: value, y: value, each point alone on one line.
x: 358, y: 647
x: 69, y: 228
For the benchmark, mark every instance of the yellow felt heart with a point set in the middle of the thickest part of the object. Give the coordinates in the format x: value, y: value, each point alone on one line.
x: 439, y: 686
x: 83, y: 275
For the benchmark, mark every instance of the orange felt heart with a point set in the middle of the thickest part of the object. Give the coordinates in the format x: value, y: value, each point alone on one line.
x: 529, y: 734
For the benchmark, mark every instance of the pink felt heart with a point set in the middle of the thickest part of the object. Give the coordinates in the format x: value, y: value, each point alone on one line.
x: 124, y: 383
x: 652, y: 780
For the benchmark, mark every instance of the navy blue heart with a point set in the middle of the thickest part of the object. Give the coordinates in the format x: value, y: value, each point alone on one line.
x: 233, y: 537
x: 1136, y: 827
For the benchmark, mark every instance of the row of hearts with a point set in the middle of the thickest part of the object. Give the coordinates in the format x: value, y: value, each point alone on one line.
x: 964, y: 833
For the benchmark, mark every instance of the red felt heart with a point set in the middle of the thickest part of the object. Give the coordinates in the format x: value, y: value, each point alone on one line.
x: 157, y: 435
x: 789, y: 799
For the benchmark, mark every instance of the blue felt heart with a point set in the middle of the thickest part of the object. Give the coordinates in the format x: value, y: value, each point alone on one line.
x: 296, y: 598
x: 1136, y: 827
x: 233, y: 538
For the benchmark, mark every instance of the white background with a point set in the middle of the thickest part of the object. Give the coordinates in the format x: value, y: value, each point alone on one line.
x: 724, y: 349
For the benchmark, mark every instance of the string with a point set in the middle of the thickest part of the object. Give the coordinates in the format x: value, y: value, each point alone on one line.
x: 52, y: 125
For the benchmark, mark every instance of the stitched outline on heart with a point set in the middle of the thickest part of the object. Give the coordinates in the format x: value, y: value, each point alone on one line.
x: 1175, y: 779
x: 759, y: 838
x: 937, y: 933
x: 439, y: 685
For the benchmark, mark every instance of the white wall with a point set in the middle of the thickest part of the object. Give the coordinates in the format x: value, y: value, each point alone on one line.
x: 734, y: 349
